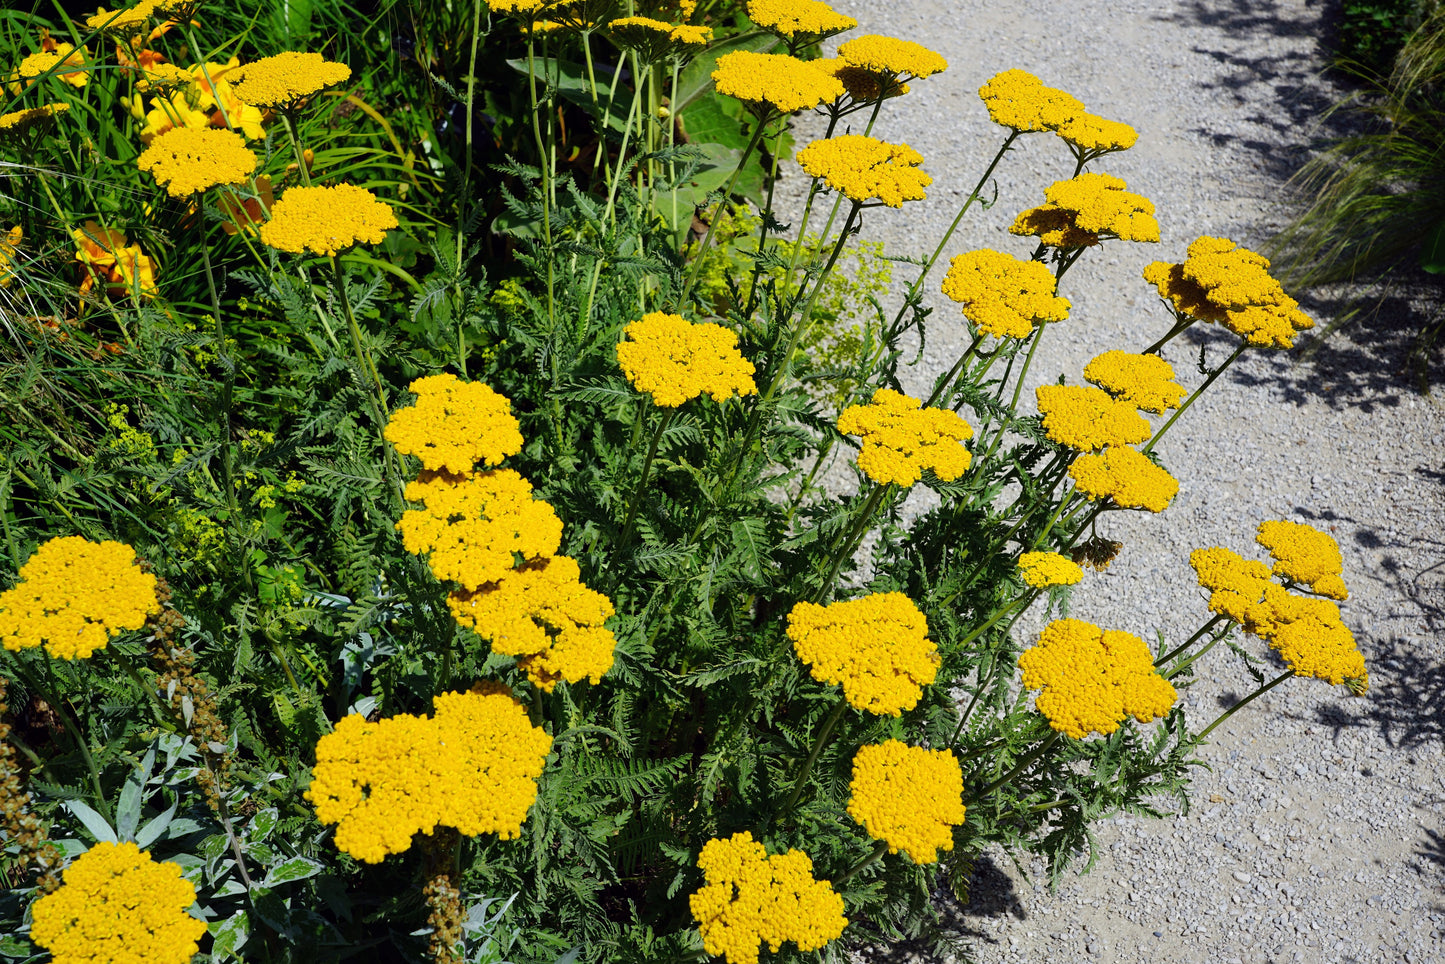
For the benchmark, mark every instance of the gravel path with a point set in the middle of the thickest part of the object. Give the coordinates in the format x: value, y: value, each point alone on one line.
x: 1319, y: 833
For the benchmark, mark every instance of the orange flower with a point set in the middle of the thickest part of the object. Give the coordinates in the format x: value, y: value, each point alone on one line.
x: 108, y: 258
x: 249, y: 213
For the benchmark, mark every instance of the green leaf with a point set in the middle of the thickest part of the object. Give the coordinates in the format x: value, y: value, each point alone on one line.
x: 571, y: 83
x: 132, y: 795
x: 156, y: 826
x: 715, y: 121
x: 1432, y: 254
x: 99, y: 828
x: 229, y: 936
x: 297, y: 868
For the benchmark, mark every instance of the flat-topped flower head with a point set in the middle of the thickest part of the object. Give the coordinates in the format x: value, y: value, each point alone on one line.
x: 327, y: 220
x: 163, y: 78
x: 455, y: 426
x: 1310, y: 637
x: 900, y: 439
x: 514, y: 6
x: 1144, y: 381
x: 64, y: 63
x: 908, y: 797
x: 863, y: 86
x: 117, y: 904
x: 1092, y: 680
x: 1084, y: 417
x: 1002, y: 295
x: 122, y: 20
x: 1086, y: 209
x: 74, y: 596
x: 877, y: 647
x: 1125, y: 475
x: 543, y: 615
x: 287, y: 80
x: 473, y: 766
x: 798, y: 19
x: 902, y: 59
x: 187, y: 161
x: 1224, y: 283
x: 676, y: 360
x: 19, y: 122
x: 751, y: 898
x: 1304, y: 554
x: 1017, y: 99
x: 1235, y: 584
x: 1044, y: 569
x: 655, y: 39
x: 776, y: 81
x: 470, y: 528
x: 1093, y: 136
x: 866, y: 169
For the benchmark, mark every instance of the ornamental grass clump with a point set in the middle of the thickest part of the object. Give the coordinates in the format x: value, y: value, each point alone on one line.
x: 468, y: 627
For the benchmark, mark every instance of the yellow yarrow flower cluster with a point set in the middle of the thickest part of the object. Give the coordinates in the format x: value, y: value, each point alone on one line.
x: 866, y: 169
x: 514, y: 6
x: 1003, y: 295
x: 327, y: 220
x: 877, y: 647
x: 1304, y: 554
x: 473, y: 766
x: 1144, y: 381
x: 1086, y: 418
x: 454, y: 425
x: 470, y: 526
x: 1019, y: 100
x: 784, y: 83
x: 794, y: 19
x: 163, y: 77
x: 1310, y: 637
x: 117, y: 904
x: 1125, y: 475
x: 74, y: 596
x: 907, y: 796
x: 1092, y: 680
x: 20, y: 121
x: 542, y: 614
x: 1224, y: 283
x: 900, y: 439
x: 9, y: 246
x: 208, y: 101
x: 675, y: 360
x: 37, y: 65
x: 655, y: 39
x: 1084, y: 209
x: 1235, y: 584
x: 891, y: 57
x: 1093, y: 135
x: 863, y: 86
x: 1044, y: 569
x: 288, y: 79
x: 752, y: 898
x: 187, y: 161
x: 122, y: 20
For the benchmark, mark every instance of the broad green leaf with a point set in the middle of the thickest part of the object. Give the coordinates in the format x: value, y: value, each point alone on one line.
x: 297, y: 868
x: 132, y: 795
x: 99, y: 828
x: 156, y: 826
x: 573, y: 86
x: 229, y: 936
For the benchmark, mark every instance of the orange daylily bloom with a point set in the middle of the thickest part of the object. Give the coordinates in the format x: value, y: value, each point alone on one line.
x: 107, y: 258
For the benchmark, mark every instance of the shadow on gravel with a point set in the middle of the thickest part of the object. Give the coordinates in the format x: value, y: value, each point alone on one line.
x: 1431, y: 863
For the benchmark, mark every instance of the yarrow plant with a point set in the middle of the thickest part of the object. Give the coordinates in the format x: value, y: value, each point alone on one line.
x: 446, y: 514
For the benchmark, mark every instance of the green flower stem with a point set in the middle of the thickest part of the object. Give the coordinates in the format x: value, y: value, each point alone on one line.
x: 625, y: 539
x: 1181, y: 322
x: 632, y: 110
x: 797, y: 500
x: 767, y: 216
x: 874, y: 855
x: 368, y: 366
x: 974, y: 195
x: 544, y: 167
x: 854, y: 537
x: 726, y: 193
x: 1196, y: 393
x: 295, y: 147
x: 943, y: 386
x: 1018, y: 768
x: 466, y: 192
x: 1203, y: 630
x: 824, y: 732
x: 57, y: 703
x: 1242, y: 703
x: 1094, y: 513
x: 1190, y: 661
x: 603, y: 157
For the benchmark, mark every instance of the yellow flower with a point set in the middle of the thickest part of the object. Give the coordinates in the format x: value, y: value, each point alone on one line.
x: 900, y: 440
x: 1310, y: 637
x: 1019, y: 100
x: 164, y: 114
x: 1125, y: 475
x: 866, y: 169
x: 907, y: 796
x: 122, y: 268
x: 514, y: 6
x: 1095, y: 135
x: 117, y: 904
x: 1235, y: 584
x: 455, y: 425
x: 784, y: 83
x: 188, y: 161
x: 1092, y: 680
x: 751, y: 898
x: 327, y: 220
x: 892, y: 58
x: 74, y: 596
x: 1044, y: 569
x: 1144, y: 381
x: 791, y: 19
x: 163, y: 77
x: 864, y: 86
x: 877, y: 647
x: 19, y: 121
x: 656, y: 39
x: 542, y: 614
x: 676, y: 360
x: 1086, y: 208
x: 285, y: 81
x: 473, y: 766
x: 122, y: 20
x: 9, y: 245
x: 1085, y: 417
x: 1222, y: 282
x: 1304, y: 554
x: 54, y: 62
x: 1003, y: 295
x: 470, y: 526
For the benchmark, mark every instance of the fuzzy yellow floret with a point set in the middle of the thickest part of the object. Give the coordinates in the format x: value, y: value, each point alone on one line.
x: 785, y: 83
x: 1144, y: 381
x: 675, y: 360
x: 866, y: 169
x: 287, y: 79
x: 1235, y: 584
x: 1017, y: 99
x: 892, y: 57
x: 791, y: 18
x: 877, y: 647
x: 1089, y: 205
x: 1044, y: 569
x: 327, y: 220
x: 907, y: 796
x: 900, y: 439
x: 1093, y: 134
x: 1127, y: 476
x: 1224, y: 283
x: 1003, y: 295
x: 455, y: 426
x: 1309, y: 636
x: 1085, y: 417
x: 187, y: 161
x: 1304, y: 554
x: 1092, y: 680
